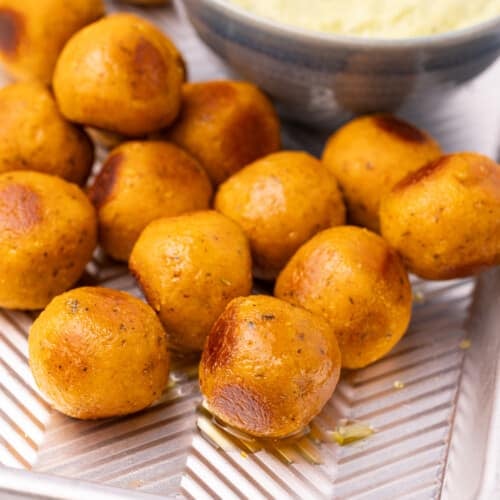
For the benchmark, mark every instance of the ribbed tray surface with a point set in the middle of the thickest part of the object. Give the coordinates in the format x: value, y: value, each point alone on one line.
x: 160, y: 450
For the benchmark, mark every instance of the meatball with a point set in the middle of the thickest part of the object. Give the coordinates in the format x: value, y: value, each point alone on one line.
x: 281, y: 201
x: 369, y: 156
x: 96, y: 353
x: 268, y: 368
x: 120, y: 74
x: 444, y: 219
x: 358, y: 283
x: 141, y: 182
x: 33, y: 33
x: 189, y: 267
x: 225, y: 125
x: 35, y: 136
x: 47, y: 235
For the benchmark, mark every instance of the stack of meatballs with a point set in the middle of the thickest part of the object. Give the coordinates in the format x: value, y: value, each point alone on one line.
x: 198, y: 199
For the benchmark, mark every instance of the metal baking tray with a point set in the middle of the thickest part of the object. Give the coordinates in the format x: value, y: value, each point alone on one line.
x: 434, y: 401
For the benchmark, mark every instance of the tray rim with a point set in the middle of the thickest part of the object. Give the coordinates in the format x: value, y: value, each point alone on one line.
x: 32, y: 484
x: 486, y: 299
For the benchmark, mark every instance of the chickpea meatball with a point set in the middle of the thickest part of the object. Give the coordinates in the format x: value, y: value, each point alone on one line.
x: 281, y: 201
x: 120, y: 74
x: 268, y: 367
x: 96, y: 353
x: 225, y: 125
x: 35, y: 136
x: 47, y: 236
x: 189, y: 267
x: 369, y: 156
x: 444, y: 219
x: 33, y: 33
x: 358, y: 283
x: 141, y: 182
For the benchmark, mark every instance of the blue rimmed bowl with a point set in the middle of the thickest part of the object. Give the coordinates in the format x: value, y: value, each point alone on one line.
x: 322, y: 79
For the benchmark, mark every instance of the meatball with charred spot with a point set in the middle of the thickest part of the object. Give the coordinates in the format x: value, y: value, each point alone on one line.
x: 352, y: 278
x: 97, y: 353
x: 120, y: 74
x: 141, y: 182
x: 48, y: 232
x: 281, y: 201
x: 225, y: 125
x: 444, y: 219
x: 33, y: 33
x: 369, y: 155
x: 268, y: 368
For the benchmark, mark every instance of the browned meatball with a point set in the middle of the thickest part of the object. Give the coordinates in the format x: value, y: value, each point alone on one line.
x: 141, y: 182
x: 281, y: 201
x: 370, y: 155
x: 225, y: 125
x: 445, y: 218
x: 189, y: 267
x: 358, y: 283
x: 47, y: 235
x: 120, y: 74
x: 96, y: 353
x: 35, y: 136
x: 33, y: 33
x: 268, y: 367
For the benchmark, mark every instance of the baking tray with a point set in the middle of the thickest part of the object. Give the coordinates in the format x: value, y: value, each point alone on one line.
x: 434, y: 401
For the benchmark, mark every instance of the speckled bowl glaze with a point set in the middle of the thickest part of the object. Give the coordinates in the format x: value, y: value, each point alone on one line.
x: 322, y: 79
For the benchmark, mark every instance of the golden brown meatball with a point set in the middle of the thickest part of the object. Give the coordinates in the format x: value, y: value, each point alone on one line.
x: 281, y: 201
x: 444, y: 219
x: 47, y: 236
x: 268, y: 368
x: 369, y: 156
x: 96, y: 353
x: 358, y: 283
x: 189, y: 267
x: 36, y: 137
x: 120, y: 74
x: 141, y: 182
x: 225, y: 125
x: 33, y: 33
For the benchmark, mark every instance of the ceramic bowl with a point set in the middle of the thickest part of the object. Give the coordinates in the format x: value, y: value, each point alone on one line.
x: 323, y: 79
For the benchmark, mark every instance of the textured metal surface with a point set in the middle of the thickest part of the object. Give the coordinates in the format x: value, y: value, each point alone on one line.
x: 159, y: 451
x: 405, y: 458
x: 441, y: 427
